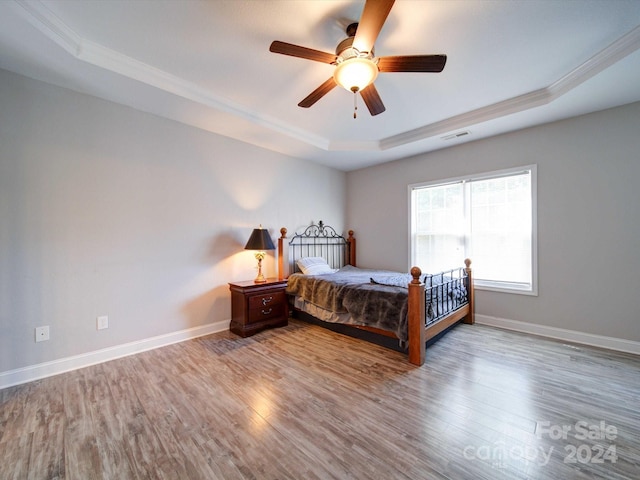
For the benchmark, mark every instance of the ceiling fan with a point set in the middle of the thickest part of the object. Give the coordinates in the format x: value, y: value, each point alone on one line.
x: 356, y: 66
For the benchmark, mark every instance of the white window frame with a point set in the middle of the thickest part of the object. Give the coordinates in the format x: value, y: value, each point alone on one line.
x: 505, y: 287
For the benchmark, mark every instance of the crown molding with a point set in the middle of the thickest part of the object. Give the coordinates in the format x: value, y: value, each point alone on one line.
x: 95, y: 54
x: 625, y: 45
x: 619, y: 49
x: 45, y: 21
x: 50, y: 25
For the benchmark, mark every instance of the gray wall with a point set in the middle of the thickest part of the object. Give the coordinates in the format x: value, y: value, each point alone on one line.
x: 105, y: 210
x: 588, y: 217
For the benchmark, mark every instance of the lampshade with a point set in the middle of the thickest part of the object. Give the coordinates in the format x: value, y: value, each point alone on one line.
x: 355, y: 74
x: 260, y: 240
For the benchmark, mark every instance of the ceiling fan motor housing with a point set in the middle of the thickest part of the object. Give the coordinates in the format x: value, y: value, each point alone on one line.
x: 345, y: 49
x: 355, y: 70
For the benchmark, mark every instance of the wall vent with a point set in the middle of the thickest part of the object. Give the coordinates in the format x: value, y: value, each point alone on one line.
x: 456, y: 135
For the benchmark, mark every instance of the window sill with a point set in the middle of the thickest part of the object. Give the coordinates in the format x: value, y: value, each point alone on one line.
x: 502, y: 288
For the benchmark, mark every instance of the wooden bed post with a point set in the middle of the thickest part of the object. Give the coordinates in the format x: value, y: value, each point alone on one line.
x: 352, y: 249
x: 416, y: 321
x: 283, y: 236
x: 470, y: 319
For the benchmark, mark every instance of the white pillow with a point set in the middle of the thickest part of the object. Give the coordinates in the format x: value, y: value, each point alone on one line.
x: 314, y: 266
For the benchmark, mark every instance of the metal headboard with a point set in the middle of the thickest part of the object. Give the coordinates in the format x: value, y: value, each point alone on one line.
x: 321, y: 241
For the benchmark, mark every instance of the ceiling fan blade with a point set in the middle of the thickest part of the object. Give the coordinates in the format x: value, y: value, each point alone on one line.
x: 318, y: 93
x: 301, y: 52
x: 412, y: 63
x: 373, y: 17
x: 372, y: 100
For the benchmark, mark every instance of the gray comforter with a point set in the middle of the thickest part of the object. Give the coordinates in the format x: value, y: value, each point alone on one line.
x: 376, y: 298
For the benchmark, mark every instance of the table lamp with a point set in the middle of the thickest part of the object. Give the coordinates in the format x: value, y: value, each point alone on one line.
x: 260, y: 241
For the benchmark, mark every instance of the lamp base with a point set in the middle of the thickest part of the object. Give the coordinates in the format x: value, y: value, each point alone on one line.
x: 260, y: 278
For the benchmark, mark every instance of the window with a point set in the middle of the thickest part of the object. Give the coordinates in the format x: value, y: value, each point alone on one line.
x: 488, y: 218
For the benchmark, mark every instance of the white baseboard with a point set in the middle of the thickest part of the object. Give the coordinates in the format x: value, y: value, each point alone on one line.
x: 611, y: 343
x: 55, y: 367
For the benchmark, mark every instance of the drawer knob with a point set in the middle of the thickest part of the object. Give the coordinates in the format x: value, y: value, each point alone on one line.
x: 267, y: 311
x: 266, y: 300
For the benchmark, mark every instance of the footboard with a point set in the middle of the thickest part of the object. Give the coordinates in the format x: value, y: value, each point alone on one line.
x: 447, y: 298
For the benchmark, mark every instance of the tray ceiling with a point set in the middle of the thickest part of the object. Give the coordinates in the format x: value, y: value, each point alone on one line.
x: 511, y: 64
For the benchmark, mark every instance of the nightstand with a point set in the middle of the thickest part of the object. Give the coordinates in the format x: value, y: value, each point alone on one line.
x: 256, y: 306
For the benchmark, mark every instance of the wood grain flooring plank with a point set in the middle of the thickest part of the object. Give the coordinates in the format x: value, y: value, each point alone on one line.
x: 12, y: 407
x: 46, y: 458
x: 143, y: 450
x: 110, y: 424
x: 81, y: 455
x: 15, y: 453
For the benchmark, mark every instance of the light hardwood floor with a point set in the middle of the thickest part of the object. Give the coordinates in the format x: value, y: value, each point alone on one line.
x: 301, y: 402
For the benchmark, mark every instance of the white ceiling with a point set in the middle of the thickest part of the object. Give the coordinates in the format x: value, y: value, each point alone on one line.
x: 511, y: 64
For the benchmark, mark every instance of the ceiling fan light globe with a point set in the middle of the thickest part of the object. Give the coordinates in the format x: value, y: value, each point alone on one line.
x: 355, y: 74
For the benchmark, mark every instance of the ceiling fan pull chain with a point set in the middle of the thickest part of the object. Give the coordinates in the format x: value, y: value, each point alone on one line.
x: 355, y: 103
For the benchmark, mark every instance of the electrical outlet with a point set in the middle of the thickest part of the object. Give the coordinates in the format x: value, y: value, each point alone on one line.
x: 102, y: 322
x: 42, y: 333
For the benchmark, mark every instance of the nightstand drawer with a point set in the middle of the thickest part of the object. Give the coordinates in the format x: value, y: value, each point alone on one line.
x: 265, y: 313
x: 268, y: 299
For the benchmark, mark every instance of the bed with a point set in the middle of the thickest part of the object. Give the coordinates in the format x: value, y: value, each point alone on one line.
x: 324, y: 282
